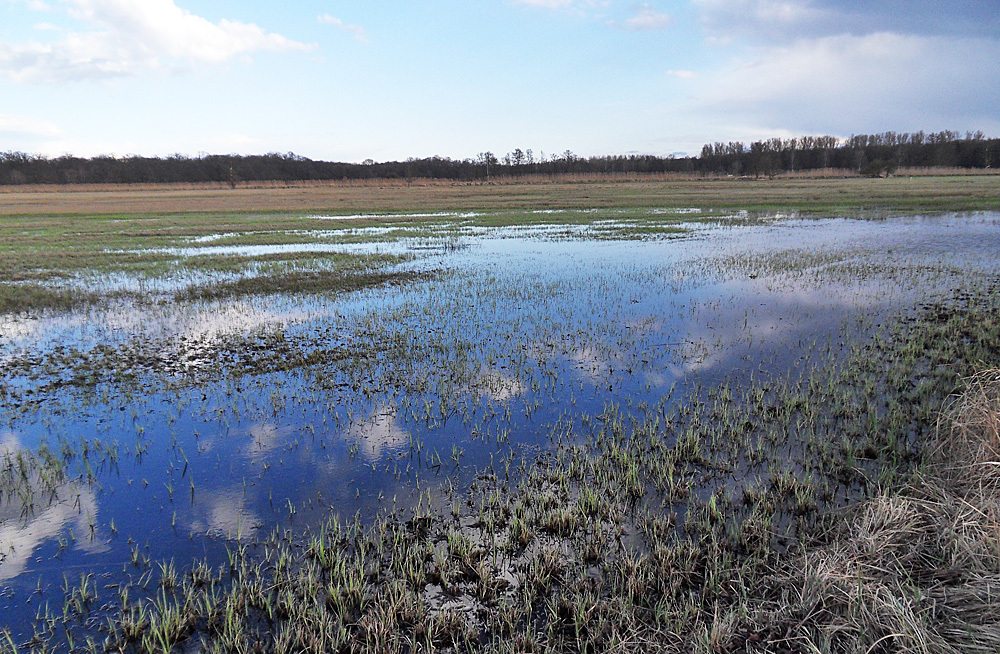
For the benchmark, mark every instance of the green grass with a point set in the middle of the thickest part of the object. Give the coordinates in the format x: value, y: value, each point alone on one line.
x: 49, y: 247
x: 299, y: 282
x: 15, y: 298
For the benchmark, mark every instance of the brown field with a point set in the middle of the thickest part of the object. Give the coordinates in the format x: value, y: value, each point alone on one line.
x: 831, y: 192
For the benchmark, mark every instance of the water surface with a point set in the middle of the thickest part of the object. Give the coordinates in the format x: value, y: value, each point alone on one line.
x: 188, y: 427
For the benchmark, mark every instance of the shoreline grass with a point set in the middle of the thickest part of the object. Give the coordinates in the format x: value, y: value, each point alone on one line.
x: 914, y: 568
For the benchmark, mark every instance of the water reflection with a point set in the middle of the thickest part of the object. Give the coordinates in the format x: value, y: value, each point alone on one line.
x: 67, y: 512
x: 497, y: 386
x: 557, y: 324
x: 224, y: 514
x: 378, y: 434
x: 266, y: 438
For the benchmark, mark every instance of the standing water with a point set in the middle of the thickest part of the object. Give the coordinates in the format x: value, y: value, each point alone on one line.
x: 143, y: 434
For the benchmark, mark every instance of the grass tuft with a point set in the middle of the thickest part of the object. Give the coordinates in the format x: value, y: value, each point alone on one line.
x: 910, y: 571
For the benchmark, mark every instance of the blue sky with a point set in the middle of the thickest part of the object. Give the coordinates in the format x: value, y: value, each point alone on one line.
x: 351, y: 80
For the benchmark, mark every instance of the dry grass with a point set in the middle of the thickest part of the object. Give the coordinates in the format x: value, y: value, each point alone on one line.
x: 967, y: 453
x: 823, y: 192
x: 917, y: 571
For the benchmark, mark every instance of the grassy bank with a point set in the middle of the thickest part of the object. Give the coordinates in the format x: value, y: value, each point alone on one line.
x: 915, y: 568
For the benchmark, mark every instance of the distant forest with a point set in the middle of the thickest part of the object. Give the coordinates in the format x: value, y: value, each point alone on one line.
x: 874, y: 155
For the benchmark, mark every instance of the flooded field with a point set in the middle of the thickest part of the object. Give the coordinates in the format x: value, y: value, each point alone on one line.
x: 500, y: 413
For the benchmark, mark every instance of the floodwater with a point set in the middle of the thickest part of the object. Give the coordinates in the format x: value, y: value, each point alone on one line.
x: 185, y: 428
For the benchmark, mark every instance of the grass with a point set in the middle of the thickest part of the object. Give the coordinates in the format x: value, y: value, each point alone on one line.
x: 65, y: 263
x: 915, y: 193
x: 55, y: 245
x: 15, y: 298
x: 306, y: 282
x: 913, y: 569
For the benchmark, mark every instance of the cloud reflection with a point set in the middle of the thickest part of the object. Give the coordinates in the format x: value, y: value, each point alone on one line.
x: 498, y: 387
x: 378, y: 434
x: 266, y: 438
x: 225, y: 513
x: 74, y: 507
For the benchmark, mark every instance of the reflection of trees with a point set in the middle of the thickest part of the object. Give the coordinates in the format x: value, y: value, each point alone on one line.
x: 34, y: 511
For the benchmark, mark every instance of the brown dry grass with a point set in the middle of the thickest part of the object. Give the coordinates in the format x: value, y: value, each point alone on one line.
x: 916, y: 571
x: 967, y: 452
x: 813, y: 192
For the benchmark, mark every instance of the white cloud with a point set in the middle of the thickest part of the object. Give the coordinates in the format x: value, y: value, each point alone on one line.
x: 762, y: 19
x: 788, y: 20
x: 859, y: 84
x: 359, y: 32
x: 26, y: 125
x: 646, y: 19
x: 838, y: 67
x: 124, y: 37
x: 682, y: 74
x: 548, y: 4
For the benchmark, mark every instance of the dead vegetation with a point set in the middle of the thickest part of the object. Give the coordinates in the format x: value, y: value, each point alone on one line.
x: 910, y: 571
x: 817, y: 192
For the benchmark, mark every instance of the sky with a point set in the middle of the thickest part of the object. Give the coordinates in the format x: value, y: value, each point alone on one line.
x: 349, y: 80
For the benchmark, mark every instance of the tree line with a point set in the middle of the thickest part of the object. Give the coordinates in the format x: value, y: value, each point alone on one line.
x: 868, y: 154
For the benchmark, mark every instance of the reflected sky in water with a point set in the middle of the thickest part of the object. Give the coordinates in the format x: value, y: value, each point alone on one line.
x: 26, y: 527
x: 519, y: 330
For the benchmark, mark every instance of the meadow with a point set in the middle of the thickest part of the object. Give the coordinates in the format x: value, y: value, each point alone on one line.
x: 675, y: 415
x: 837, y: 191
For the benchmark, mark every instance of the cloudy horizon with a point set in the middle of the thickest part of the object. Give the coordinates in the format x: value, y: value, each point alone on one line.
x: 335, y: 80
